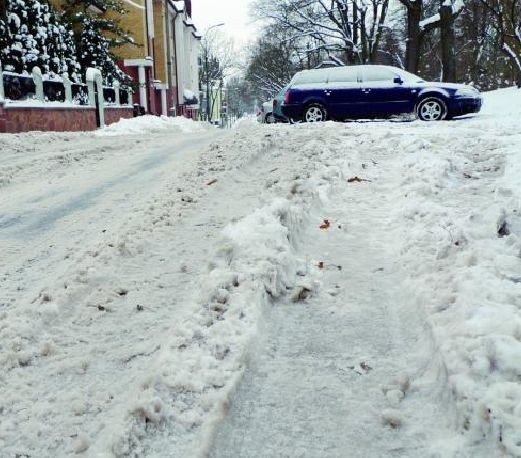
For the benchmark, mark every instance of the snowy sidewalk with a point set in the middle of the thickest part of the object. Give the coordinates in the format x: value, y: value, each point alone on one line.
x: 327, y: 377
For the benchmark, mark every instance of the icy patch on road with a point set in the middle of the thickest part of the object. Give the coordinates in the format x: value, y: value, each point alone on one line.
x: 149, y: 124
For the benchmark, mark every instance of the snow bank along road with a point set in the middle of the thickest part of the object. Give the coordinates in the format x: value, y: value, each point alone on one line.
x: 333, y: 290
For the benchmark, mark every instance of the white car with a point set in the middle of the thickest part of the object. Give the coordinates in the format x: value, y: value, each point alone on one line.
x: 265, y: 114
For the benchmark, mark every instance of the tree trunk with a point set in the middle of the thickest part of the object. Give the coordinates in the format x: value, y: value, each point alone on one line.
x: 3, y: 9
x: 363, y: 39
x: 477, y: 32
x: 351, y: 55
x: 377, y: 36
x: 448, y: 56
x: 414, y: 36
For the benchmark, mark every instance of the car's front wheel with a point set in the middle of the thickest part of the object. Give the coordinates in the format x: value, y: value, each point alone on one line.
x: 431, y: 109
x: 315, y: 113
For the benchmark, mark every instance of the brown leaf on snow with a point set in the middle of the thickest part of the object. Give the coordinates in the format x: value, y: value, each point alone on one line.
x: 320, y: 264
x: 326, y: 224
x: 211, y: 182
x: 356, y: 180
x: 365, y: 366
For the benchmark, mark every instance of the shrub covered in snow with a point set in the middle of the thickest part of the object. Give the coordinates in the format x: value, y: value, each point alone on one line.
x: 33, y: 34
x: 97, y: 35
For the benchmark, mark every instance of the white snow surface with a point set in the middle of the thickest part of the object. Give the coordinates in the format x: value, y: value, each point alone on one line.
x: 143, y: 266
x: 149, y: 124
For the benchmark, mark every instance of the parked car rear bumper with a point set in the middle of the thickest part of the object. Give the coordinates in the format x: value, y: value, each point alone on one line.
x: 292, y: 111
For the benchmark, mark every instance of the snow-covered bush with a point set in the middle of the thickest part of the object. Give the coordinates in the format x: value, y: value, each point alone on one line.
x: 97, y: 35
x: 33, y: 35
x: 94, y: 51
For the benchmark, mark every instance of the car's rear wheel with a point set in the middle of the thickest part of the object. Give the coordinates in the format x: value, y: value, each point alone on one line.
x: 270, y: 119
x: 431, y: 109
x: 315, y: 113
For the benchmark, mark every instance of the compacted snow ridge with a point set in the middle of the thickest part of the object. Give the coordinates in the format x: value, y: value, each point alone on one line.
x: 172, y: 290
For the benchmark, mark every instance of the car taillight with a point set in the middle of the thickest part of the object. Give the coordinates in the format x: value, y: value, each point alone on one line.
x: 286, y: 98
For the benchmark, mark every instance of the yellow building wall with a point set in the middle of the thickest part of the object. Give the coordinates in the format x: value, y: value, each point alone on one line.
x: 135, y: 22
x: 159, y: 42
x: 173, y: 58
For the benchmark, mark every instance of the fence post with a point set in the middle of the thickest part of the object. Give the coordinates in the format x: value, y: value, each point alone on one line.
x: 38, y: 83
x: 68, y: 87
x: 95, y: 86
x: 2, y: 95
x: 115, y: 85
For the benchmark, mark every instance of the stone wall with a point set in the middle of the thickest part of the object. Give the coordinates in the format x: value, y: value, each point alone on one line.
x: 15, y: 119
x: 114, y: 114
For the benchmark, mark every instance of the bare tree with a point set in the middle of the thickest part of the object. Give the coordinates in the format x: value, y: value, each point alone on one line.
x: 217, y: 62
x: 506, y: 15
x: 274, y: 58
x: 415, y: 33
x: 242, y: 96
x: 418, y: 27
x: 349, y: 28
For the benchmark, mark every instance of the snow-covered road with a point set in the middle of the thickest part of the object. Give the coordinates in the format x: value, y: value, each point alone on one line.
x: 175, y: 291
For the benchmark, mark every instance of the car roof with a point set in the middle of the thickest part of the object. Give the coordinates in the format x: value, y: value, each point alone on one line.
x: 326, y: 71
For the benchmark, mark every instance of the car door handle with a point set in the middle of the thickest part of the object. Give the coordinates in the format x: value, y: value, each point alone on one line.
x: 366, y: 90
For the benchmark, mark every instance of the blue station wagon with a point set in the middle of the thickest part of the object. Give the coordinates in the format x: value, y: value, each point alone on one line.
x: 372, y: 91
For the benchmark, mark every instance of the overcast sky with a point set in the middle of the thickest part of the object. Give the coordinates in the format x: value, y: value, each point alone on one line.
x: 234, y: 13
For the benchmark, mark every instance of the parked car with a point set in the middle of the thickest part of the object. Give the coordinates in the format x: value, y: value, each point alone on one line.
x: 265, y: 113
x: 374, y: 91
x: 277, y: 106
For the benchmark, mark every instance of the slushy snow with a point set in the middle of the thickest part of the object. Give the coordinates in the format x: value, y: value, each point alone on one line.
x: 141, y: 265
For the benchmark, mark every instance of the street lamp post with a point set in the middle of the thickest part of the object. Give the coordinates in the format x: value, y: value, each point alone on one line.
x: 208, y: 72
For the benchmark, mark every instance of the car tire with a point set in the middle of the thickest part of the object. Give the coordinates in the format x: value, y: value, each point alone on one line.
x: 314, y: 113
x: 431, y: 109
x: 270, y: 119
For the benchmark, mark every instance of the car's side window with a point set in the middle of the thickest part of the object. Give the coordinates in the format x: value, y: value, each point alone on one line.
x: 343, y: 75
x: 376, y: 74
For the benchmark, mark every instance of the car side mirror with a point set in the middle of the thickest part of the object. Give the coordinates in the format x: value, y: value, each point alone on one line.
x: 397, y: 80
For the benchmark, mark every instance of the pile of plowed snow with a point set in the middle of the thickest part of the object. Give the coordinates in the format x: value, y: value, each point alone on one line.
x: 150, y: 123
